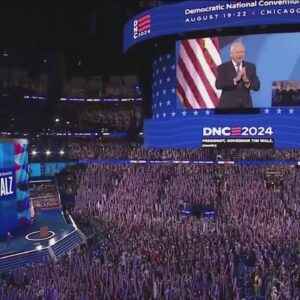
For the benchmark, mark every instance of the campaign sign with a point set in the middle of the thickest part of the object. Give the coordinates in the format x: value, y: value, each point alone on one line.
x: 7, y: 184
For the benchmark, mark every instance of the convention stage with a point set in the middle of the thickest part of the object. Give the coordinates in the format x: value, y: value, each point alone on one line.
x: 28, y: 238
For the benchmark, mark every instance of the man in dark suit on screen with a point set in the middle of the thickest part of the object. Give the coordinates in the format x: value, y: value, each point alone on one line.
x: 236, y: 78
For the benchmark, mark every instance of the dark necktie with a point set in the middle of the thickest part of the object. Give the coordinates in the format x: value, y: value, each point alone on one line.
x: 238, y: 68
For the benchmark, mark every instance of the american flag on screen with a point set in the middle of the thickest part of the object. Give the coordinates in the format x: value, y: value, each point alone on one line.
x: 165, y: 103
x: 196, y: 73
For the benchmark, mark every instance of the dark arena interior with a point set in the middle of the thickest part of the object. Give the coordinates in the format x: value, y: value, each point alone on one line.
x: 150, y: 150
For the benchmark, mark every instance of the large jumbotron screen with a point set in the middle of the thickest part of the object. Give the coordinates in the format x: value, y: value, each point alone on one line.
x: 201, y: 95
x: 205, y: 69
x: 14, y: 196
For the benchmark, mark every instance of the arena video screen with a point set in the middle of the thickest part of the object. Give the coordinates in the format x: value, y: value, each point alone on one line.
x: 250, y: 71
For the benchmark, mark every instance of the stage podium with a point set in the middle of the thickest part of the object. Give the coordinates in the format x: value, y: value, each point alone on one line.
x: 44, y: 232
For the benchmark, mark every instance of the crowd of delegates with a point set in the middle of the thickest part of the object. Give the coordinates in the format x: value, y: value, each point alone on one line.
x: 95, y: 116
x: 286, y: 93
x: 73, y: 116
x: 98, y: 149
x: 116, y: 117
x: 152, y: 252
x: 87, y: 149
x: 76, y: 148
x: 44, y: 195
x: 80, y: 87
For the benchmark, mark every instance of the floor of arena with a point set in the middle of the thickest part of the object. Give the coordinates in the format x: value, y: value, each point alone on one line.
x: 28, y: 238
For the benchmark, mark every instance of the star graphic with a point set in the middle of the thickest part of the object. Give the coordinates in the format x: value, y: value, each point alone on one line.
x: 168, y: 56
x: 164, y: 69
x: 267, y: 111
x: 168, y: 102
x: 164, y: 114
x: 160, y: 58
x: 183, y: 113
x: 164, y: 92
x: 173, y: 67
x: 155, y: 105
x: 279, y: 110
x: 173, y: 114
x: 160, y: 81
x: 157, y: 71
x: 196, y: 112
x: 173, y: 90
x: 291, y: 111
x: 157, y: 93
x: 157, y: 116
x: 168, y: 79
x: 160, y: 103
x: 207, y: 112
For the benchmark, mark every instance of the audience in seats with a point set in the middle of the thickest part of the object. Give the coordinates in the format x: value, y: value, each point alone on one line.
x: 150, y: 251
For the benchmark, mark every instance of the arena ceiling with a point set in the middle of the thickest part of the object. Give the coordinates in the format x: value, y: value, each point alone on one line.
x: 85, y: 31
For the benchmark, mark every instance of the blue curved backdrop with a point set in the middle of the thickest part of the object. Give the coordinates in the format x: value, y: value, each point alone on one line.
x: 202, y: 15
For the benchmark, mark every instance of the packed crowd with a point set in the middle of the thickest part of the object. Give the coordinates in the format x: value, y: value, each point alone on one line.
x: 152, y: 252
x: 286, y: 93
x: 33, y: 116
x: 76, y: 148
x: 17, y: 80
x: 113, y: 117
x: 44, y: 195
x: 100, y: 150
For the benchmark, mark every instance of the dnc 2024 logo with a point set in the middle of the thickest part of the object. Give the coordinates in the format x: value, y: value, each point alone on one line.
x: 141, y: 26
x: 237, y: 131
